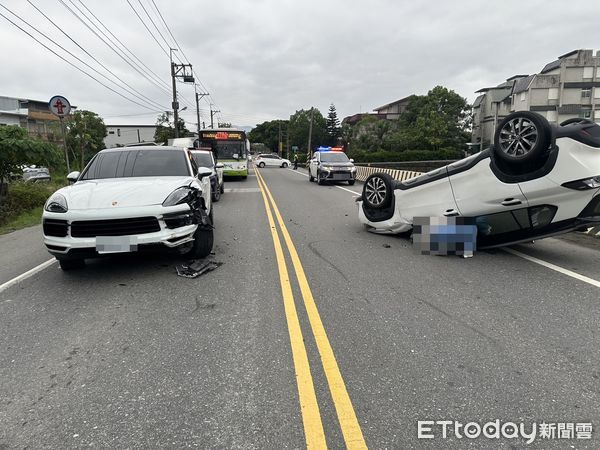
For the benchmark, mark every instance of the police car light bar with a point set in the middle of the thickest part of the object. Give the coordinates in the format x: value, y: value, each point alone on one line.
x: 330, y: 149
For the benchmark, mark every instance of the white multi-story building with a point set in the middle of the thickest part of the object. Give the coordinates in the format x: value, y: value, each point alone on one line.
x: 565, y: 88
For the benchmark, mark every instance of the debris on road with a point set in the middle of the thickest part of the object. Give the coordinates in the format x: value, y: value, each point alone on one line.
x: 196, y: 268
x: 387, y: 246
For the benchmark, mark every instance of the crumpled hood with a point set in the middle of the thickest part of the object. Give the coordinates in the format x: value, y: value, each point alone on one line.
x: 121, y: 192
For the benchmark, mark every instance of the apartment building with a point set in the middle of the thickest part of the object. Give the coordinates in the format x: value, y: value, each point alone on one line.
x: 565, y: 88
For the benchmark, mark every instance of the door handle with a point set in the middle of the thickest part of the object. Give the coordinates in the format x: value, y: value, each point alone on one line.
x: 451, y: 213
x: 511, y: 202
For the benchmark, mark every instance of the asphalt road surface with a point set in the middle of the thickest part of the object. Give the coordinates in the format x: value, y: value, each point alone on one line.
x: 313, y: 332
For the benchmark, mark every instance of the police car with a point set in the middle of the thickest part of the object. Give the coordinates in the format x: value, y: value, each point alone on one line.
x: 331, y: 164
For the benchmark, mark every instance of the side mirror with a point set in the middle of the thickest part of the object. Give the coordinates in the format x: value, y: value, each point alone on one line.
x: 219, y: 166
x: 72, y: 177
x: 204, y: 172
x: 236, y: 156
x: 351, y: 160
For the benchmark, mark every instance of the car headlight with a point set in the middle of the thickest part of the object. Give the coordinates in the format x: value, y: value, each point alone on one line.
x: 56, y: 203
x: 582, y: 185
x: 178, y: 196
x: 353, y: 169
x: 327, y: 168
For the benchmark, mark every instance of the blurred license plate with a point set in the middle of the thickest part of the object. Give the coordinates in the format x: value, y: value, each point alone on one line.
x: 116, y: 244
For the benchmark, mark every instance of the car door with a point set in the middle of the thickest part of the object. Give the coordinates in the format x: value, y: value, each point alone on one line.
x: 314, y: 163
x: 478, y: 191
x: 275, y: 161
x: 428, y: 195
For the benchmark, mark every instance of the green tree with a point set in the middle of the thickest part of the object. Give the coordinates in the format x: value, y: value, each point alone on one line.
x: 165, y: 129
x: 439, y: 119
x: 267, y: 133
x: 300, y: 125
x: 332, y: 125
x: 85, y: 132
x: 17, y: 149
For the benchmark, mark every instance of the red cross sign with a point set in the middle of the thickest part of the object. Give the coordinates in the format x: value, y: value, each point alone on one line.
x: 59, y: 106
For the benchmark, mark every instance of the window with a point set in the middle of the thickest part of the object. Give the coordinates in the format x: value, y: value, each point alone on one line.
x: 552, y: 116
x: 588, y: 72
x: 523, y: 96
x: 586, y: 113
x: 119, y: 132
x: 111, y: 132
x: 137, y: 163
x: 586, y: 93
x: 597, y: 92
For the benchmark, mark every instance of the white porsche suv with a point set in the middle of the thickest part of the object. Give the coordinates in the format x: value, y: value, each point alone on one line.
x: 130, y: 197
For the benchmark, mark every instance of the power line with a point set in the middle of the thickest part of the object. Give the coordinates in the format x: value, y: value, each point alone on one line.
x: 206, y: 99
x: 70, y: 63
x: 119, y: 53
x: 157, y: 77
x: 131, y: 89
x: 148, y: 29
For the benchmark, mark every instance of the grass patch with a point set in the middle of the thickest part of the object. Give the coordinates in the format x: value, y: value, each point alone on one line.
x: 25, y: 219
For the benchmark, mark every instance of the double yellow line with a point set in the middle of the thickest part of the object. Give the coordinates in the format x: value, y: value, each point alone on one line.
x: 311, y: 416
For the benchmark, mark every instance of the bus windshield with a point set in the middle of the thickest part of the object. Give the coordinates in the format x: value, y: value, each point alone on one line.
x: 227, y: 149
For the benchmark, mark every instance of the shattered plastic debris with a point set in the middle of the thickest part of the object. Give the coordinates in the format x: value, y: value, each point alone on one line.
x: 196, y: 268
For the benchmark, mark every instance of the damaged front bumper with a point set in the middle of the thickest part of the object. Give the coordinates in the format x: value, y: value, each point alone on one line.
x: 75, y: 233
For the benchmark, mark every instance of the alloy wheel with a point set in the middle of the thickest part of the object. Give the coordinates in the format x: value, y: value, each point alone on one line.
x: 518, y: 137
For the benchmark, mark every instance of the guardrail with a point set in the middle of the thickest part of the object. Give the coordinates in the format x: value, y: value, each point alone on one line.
x: 362, y: 172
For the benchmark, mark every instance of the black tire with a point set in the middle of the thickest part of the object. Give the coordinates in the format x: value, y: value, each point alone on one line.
x: 261, y: 164
x: 71, y: 263
x: 320, y: 181
x: 284, y: 165
x: 203, y: 244
x: 378, y: 191
x: 244, y: 177
x: 351, y: 182
x: 522, y: 137
x: 222, y: 188
x: 310, y: 177
x: 216, y: 195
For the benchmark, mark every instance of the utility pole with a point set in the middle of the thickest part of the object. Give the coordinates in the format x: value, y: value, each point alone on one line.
x: 178, y: 71
x: 287, y: 142
x: 212, y: 113
x: 279, y: 152
x: 198, y: 97
x: 310, y: 152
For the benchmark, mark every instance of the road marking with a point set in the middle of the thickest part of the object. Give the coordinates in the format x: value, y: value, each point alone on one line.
x: 309, y: 407
x: 339, y: 187
x: 27, y: 274
x: 554, y: 267
x: 343, y: 405
x: 522, y: 255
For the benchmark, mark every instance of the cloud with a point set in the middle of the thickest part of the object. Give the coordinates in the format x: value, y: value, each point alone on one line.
x: 265, y: 59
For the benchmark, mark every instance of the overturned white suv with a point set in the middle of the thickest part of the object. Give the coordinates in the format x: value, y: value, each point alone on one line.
x: 537, y: 180
x: 130, y: 197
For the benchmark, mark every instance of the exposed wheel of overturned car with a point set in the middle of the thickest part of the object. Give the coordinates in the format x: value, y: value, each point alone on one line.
x: 522, y: 137
x: 378, y: 191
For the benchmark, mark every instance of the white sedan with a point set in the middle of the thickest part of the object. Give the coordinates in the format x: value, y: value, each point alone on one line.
x: 537, y: 180
x: 271, y: 160
x: 130, y: 197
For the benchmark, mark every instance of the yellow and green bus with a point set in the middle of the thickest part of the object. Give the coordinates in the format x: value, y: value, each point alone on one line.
x: 231, y: 148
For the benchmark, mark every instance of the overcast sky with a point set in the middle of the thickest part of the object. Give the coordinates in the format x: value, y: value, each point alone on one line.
x: 264, y: 59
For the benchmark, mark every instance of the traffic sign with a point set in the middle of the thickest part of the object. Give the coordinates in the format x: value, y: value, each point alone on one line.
x: 59, y: 106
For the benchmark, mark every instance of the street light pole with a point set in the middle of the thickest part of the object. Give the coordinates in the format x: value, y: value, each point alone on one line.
x: 198, y: 97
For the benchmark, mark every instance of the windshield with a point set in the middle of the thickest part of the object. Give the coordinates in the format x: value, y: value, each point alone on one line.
x: 203, y: 159
x: 137, y: 163
x: 226, y: 149
x: 334, y: 157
